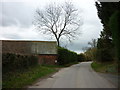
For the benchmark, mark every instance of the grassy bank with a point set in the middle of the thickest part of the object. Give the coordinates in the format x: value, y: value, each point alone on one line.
x: 20, y: 79
x: 108, y: 67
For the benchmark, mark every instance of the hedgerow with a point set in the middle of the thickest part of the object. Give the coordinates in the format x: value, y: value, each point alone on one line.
x: 14, y: 62
x: 66, y: 56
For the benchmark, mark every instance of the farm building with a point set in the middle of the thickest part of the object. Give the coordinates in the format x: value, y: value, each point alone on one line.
x: 45, y: 50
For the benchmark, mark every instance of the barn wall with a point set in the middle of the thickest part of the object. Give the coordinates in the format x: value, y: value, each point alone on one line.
x: 44, y: 47
x: 45, y: 50
x: 47, y: 59
x: 16, y: 47
x: 29, y: 47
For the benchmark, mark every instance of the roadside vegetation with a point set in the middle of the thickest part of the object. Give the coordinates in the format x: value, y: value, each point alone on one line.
x: 108, y: 67
x: 105, y: 51
x: 66, y: 57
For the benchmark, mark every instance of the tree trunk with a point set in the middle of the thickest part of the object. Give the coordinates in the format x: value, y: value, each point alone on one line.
x: 58, y: 42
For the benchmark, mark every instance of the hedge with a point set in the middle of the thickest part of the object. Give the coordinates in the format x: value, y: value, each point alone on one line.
x: 66, y: 56
x: 81, y: 57
x: 13, y: 62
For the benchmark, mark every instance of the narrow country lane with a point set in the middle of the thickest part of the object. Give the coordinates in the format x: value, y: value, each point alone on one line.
x: 77, y: 76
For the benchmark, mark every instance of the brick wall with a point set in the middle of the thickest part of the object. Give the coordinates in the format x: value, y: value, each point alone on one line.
x: 47, y: 59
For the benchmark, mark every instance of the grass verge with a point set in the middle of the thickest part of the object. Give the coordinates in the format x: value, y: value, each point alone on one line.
x: 109, y: 67
x: 23, y: 78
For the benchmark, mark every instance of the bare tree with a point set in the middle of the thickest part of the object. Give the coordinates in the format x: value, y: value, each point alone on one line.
x: 93, y: 43
x: 85, y: 49
x: 58, y: 20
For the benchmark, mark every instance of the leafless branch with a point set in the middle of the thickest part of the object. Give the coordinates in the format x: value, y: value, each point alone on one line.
x: 60, y: 20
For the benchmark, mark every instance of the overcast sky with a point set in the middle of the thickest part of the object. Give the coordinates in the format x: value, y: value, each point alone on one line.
x: 17, y: 17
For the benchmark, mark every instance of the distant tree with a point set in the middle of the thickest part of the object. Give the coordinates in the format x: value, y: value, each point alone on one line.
x: 85, y: 49
x: 93, y: 43
x: 58, y: 20
x: 90, y: 53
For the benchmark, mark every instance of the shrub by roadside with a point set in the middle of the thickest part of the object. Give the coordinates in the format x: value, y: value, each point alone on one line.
x: 66, y: 56
x: 108, y: 67
x: 14, y: 62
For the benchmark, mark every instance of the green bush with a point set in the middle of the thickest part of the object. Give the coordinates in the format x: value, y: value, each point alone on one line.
x: 66, y: 56
x: 13, y: 62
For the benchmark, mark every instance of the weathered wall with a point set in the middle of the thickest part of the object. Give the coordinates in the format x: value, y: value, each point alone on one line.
x: 46, y: 50
x: 44, y: 47
x: 29, y: 47
x: 17, y: 47
x: 47, y: 59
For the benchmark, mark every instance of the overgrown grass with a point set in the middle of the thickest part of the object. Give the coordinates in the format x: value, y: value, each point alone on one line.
x: 21, y: 79
x: 109, y: 67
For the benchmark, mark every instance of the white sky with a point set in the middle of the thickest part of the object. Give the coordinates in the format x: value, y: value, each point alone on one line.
x: 17, y: 17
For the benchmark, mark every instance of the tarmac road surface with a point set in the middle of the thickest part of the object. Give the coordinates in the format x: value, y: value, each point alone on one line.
x: 77, y: 76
